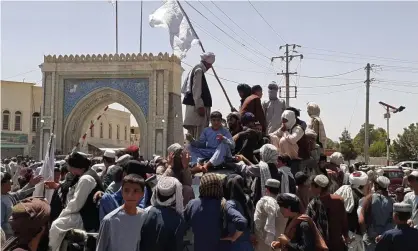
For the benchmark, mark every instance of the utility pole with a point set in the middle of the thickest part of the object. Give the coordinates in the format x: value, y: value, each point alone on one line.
x: 117, y: 27
x: 287, y: 58
x: 389, y: 108
x: 366, y: 125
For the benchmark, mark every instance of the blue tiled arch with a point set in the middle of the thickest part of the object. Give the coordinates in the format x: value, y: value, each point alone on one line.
x: 76, y: 89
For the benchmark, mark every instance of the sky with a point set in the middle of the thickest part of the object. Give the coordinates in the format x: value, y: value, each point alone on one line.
x: 335, y: 38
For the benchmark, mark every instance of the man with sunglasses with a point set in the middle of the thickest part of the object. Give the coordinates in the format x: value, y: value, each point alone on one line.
x: 215, y: 143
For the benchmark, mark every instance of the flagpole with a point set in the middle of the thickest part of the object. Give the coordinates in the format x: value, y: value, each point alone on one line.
x: 203, y: 49
x: 116, y: 22
x: 140, y: 31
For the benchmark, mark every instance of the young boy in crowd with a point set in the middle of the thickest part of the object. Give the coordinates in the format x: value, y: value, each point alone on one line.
x: 112, y: 234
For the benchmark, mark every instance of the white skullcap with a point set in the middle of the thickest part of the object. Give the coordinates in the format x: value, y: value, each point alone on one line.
x: 380, y: 172
x: 123, y: 159
x: 383, y: 182
x: 273, y: 183
x: 336, y: 158
x: 402, y: 207
x: 321, y: 180
x: 208, y: 57
x: 168, y: 187
x: 109, y: 154
x: 358, y: 179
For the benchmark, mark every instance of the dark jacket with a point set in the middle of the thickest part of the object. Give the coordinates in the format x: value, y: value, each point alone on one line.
x: 253, y: 104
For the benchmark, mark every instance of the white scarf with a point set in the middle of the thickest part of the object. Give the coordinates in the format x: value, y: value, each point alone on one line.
x: 268, y: 154
x: 346, y: 192
x: 285, y: 178
x: 264, y: 176
x: 167, y: 183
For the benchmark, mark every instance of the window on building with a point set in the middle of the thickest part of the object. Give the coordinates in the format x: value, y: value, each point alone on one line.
x: 101, y: 130
x: 6, y: 120
x: 126, y: 133
x: 110, y: 131
x: 92, y: 132
x: 117, y: 132
x: 18, y: 121
x: 36, y: 118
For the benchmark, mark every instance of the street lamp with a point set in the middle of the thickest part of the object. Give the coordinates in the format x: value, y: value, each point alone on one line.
x: 389, y: 109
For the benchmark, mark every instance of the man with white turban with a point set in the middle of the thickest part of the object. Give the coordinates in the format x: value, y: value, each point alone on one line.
x: 317, y: 125
x: 197, y: 97
x: 273, y: 108
x: 352, y: 195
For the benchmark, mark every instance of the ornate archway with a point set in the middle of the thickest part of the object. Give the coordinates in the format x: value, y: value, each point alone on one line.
x: 78, y: 87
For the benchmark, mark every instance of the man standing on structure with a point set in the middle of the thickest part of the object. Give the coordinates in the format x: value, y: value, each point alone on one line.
x: 197, y: 97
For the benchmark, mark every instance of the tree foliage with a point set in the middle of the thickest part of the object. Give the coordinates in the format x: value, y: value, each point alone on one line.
x: 334, y: 145
x: 405, y: 147
x: 375, y: 135
x: 347, y: 147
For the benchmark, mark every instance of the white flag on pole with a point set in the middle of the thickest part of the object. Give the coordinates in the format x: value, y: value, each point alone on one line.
x: 47, y: 171
x: 171, y: 17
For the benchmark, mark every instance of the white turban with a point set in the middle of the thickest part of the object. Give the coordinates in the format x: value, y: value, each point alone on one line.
x: 168, y: 187
x: 174, y: 147
x: 208, y: 57
x: 358, y: 179
x: 336, y: 158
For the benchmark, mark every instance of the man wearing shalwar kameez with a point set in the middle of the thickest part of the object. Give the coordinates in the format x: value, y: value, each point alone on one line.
x: 273, y: 109
x: 197, y: 97
x: 215, y: 143
x: 352, y: 194
x: 317, y: 125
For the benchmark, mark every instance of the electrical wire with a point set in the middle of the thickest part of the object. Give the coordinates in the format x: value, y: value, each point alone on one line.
x: 278, y: 35
x: 330, y: 76
x: 326, y: 86
x: 226, y: 33
x: 230, y: 19
x: 228, y: 80
x: 325, y: 93
x: 394, y: 90
x: 20, y: 74
x: 354, y: 108
x: 213, y: 14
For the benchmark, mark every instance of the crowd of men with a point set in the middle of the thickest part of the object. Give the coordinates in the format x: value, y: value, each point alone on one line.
x: 257, y: 181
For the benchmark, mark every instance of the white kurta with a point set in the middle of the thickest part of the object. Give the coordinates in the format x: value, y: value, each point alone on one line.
x: 273, y: 110
x: 70, y: 217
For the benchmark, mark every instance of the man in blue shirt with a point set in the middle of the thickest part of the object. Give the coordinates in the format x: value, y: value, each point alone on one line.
x: 401, y: 238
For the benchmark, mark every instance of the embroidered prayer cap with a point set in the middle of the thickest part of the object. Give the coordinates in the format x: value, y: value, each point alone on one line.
x: 402, y: 207
x: 273, y: 183
x: 168, y: 192
x: 211, y: 186
x: 123, y: 159
x: 336, y: 158
x: 383, y: 182
x: 208, y: 57
x: 132, y: 149
x: 174, y: 148
x: 358, y: 178
x: 109, y: 154
x: 321, y: 180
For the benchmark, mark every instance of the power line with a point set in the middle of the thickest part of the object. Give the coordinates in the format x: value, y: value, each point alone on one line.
x: 230, y: 19
x: 226, y: 33
x: 213, y: 14
x: 229, y: 47
x: 325, y: 86
x: 324, y: 93
x: 266, y: 22
x: 363, y: 55
x: 330, y: 76
x: 354, y: 108
x: 20, y: 74
x: 394, y: 90
x: 228, y: 80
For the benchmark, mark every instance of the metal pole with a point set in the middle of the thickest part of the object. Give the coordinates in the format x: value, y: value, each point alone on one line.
x: 140, y: 30
x: 116, y: 22
x: 388, y: 137
x: 203, y: 49
x: 287, y: 77
x: 366, y: 125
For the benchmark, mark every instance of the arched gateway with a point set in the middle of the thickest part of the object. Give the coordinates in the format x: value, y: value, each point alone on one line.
x: 78, y: 87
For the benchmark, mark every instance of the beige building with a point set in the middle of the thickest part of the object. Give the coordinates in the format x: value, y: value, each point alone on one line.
x: 20, y: 118
x: 112, y: 131
x: 135, y: 135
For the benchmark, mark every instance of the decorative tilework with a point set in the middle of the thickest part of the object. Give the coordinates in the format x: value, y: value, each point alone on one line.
x: 76, y: 89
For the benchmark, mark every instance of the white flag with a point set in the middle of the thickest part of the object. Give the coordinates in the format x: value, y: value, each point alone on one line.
x: 47, y: 171
x: 171, y: 17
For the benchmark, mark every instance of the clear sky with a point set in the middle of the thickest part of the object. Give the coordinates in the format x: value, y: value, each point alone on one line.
x: 336, y: 37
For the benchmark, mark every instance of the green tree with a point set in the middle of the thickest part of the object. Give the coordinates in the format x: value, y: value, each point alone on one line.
x: 405, y: 147
x: 347, y: 147
x: 377, y: 149
x: 375, y: 135
x: 334, y: 145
